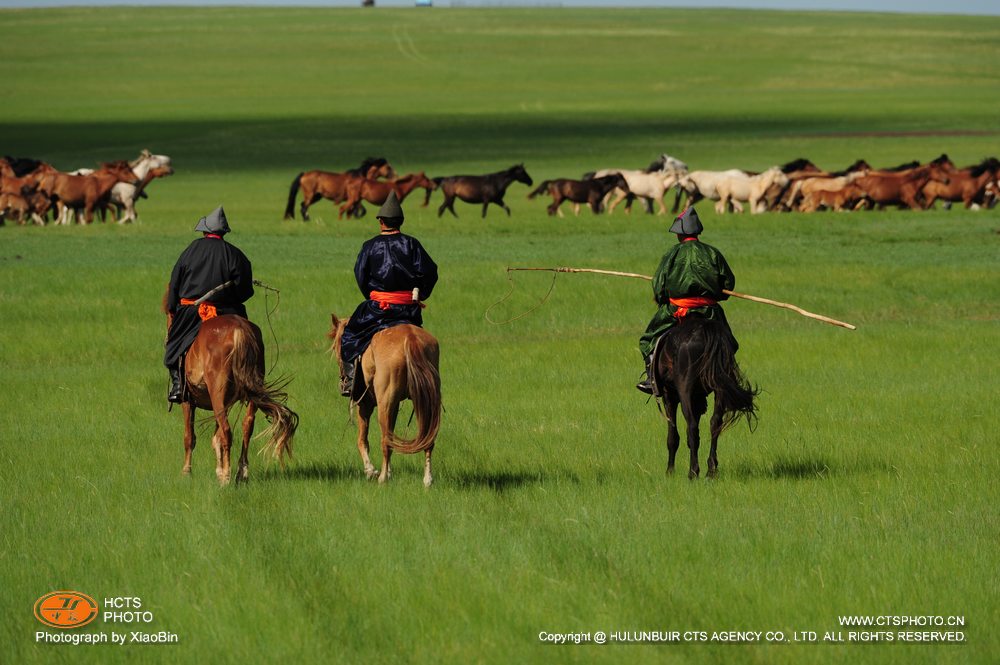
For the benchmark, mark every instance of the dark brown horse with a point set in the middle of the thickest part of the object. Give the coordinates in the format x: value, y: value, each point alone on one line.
x: 401, y: 362
x: 225, y: 365
x: 376, y: 191
x: 590, y: 191
x: 968, y: 185
x: 318, y: 185
x: 695, y: 359
x: 485, y: 189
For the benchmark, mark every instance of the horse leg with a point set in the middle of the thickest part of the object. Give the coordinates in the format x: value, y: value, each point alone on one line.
x: 673, y: 437
x: 365, y: 409
x: 189, y: 437
x: 716, y: 428
x: 485, y: 206
x: 693, y: 435
x: 387, y: 423
x: 243, y: 470
x: 222, y: 440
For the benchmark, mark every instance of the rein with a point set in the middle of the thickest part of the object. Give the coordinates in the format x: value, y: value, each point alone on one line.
x: 268, y: 313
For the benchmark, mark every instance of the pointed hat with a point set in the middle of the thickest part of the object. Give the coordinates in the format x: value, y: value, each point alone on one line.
x: 214, y: 222
x: 687, y: 223
x: 391, y: 208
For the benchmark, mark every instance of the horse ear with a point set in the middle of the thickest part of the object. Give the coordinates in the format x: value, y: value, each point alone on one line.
x: 334, y: 321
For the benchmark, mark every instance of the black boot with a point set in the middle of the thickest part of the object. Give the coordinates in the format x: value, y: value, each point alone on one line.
x: 174, y: 395
x: 347, y: 379
x: 646, y: 385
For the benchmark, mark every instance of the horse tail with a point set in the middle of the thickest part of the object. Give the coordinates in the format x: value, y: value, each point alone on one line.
x: 290, y: 208
x: 720, y: 373
x: 423, y: 383
x: 246, y: 361
x: 542, y: 187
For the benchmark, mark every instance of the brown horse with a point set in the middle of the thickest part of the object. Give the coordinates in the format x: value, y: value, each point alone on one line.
x: 485, y: 189
x: 968, y: 185
x: 85, y: 191
x: 376, y: 191
x: 318, y: 185
x: 902, y: 188
x: 401, y: 362
x: 225, y: 365
x: 590, y: 191
x: 693, y: 360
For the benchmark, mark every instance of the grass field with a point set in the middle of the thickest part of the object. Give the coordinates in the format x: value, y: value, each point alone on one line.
x: 868, y: 488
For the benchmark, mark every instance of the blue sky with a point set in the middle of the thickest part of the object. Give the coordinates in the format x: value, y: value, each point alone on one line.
x: 985, y: 7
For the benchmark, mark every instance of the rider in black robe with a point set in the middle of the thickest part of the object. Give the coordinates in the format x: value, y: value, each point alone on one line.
x: 390, y: 266
x: 207, y: 263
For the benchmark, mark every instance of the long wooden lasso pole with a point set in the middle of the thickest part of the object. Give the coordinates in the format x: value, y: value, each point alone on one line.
x: 734, y: 294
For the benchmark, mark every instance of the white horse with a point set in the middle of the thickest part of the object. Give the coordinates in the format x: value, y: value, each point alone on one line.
x: 704, y: 184
x: 123, y: 195
x: 750, y: 188
x: 648, y: 186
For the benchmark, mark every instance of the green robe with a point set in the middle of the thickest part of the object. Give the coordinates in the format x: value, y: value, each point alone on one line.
x: 690, y: 269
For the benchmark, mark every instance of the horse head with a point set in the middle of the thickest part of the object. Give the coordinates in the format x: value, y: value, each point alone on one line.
x: 519, y: 174
x: 336, y: 333
x: 121, y: 171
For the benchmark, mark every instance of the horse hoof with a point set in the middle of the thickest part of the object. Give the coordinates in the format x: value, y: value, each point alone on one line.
x: 428, y: 482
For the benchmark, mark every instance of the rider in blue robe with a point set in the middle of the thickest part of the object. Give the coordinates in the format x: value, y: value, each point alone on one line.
x: 389, y: 267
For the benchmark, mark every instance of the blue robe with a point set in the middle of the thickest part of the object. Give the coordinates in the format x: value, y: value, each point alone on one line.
x: 387, y: 262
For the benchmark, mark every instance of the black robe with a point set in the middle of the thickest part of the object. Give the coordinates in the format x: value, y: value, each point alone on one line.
x: 391, y: 262
x: 204, y: 265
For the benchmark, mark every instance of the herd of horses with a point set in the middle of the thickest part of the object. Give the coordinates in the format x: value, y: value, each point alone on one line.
x: 225, y: 364
x: 798, y: 185
x: 31, y: 190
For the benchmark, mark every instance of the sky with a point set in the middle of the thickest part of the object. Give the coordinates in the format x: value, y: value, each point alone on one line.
x: 984, y: 7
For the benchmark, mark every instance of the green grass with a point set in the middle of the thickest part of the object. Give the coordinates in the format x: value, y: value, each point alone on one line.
x: 868, y: 486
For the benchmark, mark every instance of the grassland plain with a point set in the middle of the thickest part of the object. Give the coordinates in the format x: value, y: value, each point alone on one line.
x: 869, y: 486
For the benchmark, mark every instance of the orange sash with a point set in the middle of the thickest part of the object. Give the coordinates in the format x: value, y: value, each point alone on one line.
x: 206, y: 310
x: 386, y: 298
x: 685, y: 304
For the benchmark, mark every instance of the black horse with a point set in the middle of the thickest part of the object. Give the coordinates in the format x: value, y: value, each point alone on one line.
x: 693, y: 360
x: 485, y: 189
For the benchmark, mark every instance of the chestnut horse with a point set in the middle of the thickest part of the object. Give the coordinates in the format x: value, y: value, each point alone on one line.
x: 590, y: 191
x: 85, y: 191
x: 485, y: 189
x: 318, y: 185
x: 401, y: 362
x: 376, y: 191
x: 900, y: 187
x: 693, y: 360
x: 968, y: 185
x: 225, y: 365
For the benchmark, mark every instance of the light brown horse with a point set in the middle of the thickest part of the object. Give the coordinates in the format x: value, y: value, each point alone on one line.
x: 85, y: 191
x: 225, y: 365
x: 318, y: 185
x: 376, y: 191
x: 400, y: 363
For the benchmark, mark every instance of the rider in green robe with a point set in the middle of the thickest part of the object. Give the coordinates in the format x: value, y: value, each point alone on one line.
x: 689, y: 280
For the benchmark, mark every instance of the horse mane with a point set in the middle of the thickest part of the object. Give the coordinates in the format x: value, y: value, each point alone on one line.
x: 858, y: 165
x: 988, y: 164
x: 367, y: 164
x: 903, y: 167
x: 22, y: 166
x: 797, y: 165
x: 942, y: 160
x: 116, y: 164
